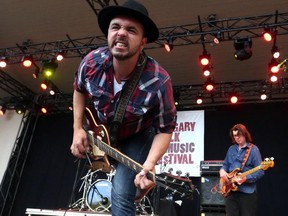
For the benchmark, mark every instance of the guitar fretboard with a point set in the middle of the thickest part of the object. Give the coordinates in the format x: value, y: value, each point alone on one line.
x: 251, y: 171
x: 117, y: 155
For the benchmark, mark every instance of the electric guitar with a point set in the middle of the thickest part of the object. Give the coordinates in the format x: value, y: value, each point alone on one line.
x: 100, y: 143
x: 231, y: 185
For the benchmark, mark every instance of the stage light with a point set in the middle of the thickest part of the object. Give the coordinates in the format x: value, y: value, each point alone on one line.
x: 209, y: 84
x: 217, y: 37
x: 233, y: 98
x: 176, y: 96
x: 60, y: 55
x: 48, y: 68
x: 204, y: 58
x: 20, y: 109
x: 2, y: 110
x: 3, y: 62
x: 243, y: 47
x: 199, y: 99
x: 51, y: 92
x: 269, y: 34
x: 273, y: 66
x: 207, y: 71
x: 168, y: 45
x: 275, y: 52
x: 52, y: 89
x: 263, y: 96
x: 44, y: 110
x: 27, y: 61
x: 36, y: 73
x: 44, y: 85
x: 273, y: 77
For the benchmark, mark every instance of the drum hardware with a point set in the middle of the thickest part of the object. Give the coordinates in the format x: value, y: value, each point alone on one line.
x: 111, y: 173
x: 87, y: 182
x: 144, y: 207
x: 98, y: 198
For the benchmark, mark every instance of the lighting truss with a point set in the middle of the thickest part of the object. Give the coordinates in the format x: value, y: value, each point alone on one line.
x: 14, y: 88
x: 248, y: 91
x: 94, y: 4
x: 189, y: 34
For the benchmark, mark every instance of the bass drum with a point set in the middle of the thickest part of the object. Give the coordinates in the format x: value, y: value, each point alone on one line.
x: 99, y: 196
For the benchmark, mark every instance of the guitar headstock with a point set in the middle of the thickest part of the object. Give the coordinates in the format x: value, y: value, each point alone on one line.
x: 267, y: 163
x: 176, y: 184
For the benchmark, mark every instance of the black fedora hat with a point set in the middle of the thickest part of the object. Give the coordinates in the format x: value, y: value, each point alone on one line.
x: 132, y: 9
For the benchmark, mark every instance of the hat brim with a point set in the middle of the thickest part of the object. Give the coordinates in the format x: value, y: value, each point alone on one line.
x: 109, y: 12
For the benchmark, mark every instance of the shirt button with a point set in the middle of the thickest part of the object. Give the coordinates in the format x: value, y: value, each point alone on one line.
x: 112, y: 101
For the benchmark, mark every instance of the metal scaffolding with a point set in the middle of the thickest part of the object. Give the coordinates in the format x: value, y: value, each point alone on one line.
x: 188, y: 34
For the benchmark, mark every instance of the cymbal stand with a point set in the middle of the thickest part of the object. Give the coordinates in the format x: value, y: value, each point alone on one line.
x: 144, y: 207
x: 80, y: 204
x: 111, y: 174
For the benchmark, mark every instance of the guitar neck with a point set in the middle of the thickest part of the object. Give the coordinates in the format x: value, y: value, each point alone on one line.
x: 251, y: 171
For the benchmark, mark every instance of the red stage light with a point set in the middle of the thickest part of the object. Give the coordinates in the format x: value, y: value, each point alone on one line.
x: 204, y: 59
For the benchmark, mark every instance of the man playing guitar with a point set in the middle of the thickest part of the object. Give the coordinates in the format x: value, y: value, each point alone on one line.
x: 240, y: 191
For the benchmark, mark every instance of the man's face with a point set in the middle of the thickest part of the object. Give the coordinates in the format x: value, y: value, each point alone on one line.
x: 239, y: 137
x: 125, y: 37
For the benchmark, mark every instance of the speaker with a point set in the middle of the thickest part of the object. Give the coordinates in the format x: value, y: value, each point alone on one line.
x: 210, y: 192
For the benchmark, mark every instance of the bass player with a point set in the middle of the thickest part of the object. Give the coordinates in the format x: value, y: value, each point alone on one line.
x: 240, y: 192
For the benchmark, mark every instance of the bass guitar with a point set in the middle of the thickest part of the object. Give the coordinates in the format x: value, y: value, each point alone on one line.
x: 231, y: 185
x: 100, y: 143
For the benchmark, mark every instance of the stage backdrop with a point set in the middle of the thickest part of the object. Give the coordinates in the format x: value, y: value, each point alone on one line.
x: 9, y: 127
x: 186, y: 147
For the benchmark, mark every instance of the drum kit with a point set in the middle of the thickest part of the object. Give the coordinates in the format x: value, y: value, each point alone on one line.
x: 96, y: 195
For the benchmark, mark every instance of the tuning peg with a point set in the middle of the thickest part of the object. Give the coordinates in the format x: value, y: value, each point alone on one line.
x: 269, y: 159
x: 178, y: 172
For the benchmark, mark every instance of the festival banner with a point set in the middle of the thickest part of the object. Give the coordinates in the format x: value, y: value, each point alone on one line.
x: 186, y: 148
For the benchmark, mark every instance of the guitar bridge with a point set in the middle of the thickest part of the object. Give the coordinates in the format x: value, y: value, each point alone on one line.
x: 95, y: 149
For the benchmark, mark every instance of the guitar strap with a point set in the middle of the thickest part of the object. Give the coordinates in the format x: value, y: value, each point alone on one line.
x: 125, y: 95
x: 248, y: 150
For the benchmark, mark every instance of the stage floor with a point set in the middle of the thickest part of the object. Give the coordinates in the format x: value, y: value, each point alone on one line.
x: 32, y: 212
x: 47, y: 212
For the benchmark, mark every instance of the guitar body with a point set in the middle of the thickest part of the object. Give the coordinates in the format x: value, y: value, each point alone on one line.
x: 227, y: 187
x: 97, y: 130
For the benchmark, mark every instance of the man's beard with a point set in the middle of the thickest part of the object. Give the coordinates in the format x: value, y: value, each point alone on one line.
x: 123, y: 56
